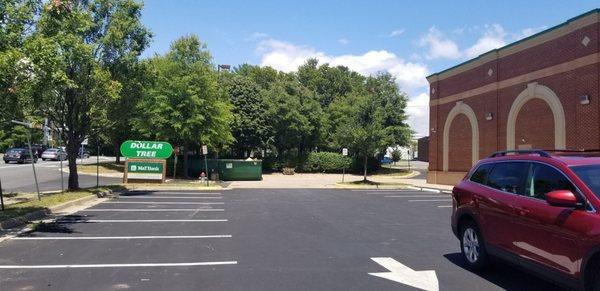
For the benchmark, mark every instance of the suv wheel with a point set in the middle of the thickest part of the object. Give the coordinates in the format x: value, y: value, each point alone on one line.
x: 594, y: 281
x: 472, y: 246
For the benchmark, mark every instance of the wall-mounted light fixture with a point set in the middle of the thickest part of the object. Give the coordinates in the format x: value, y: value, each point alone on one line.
x: 584, y: 99
x: 489, y: 116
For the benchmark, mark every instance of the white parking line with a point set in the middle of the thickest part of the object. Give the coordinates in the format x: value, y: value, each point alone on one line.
x: 444, y: 206
x: 166, y: 197
x: 382, y: 190
x: 184, y: 193
x: 117, y: 265
x: 119, y: 237
x: 140, y: 220
x: 430, y: 200
x: 142, y: 210
x: 416, y: 196
x: 161, y: 202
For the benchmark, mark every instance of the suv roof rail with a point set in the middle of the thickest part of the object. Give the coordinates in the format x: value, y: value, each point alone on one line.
x: 541, y: 153
x: 575, y: 151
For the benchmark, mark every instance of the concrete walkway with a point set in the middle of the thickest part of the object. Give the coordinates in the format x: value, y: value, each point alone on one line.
x: 320, y: 181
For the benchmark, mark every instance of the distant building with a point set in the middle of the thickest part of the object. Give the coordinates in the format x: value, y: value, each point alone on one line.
x: 423, y: 149
x: 540, y: 92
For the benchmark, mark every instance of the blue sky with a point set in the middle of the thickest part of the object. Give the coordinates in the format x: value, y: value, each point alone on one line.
x: 410, y: 39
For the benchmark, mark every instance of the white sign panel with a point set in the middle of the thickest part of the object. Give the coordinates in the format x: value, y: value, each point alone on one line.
x: 204, y: 150
x: 345, y: 151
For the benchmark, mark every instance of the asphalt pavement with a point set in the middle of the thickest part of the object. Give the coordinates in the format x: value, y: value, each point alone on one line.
x: 253, y: 239
x: 19, y: 177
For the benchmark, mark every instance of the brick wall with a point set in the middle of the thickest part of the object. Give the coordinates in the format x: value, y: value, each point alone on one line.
x: 535, y: 122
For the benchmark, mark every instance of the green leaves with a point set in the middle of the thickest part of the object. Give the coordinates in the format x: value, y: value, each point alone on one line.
x: 185, y: 105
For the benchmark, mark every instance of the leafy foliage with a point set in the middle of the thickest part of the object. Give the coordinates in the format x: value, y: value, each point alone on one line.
x: 327, y: 162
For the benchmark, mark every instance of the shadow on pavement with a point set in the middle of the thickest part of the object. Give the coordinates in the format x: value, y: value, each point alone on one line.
x: 506, y: 276
x: 51, y: 227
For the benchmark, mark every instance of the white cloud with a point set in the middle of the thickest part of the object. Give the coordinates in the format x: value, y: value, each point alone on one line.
x: 397, y: 32
x: 418, y: 114
x: 493, y: 37
x: 439, y: 46
x: 256, y: 36
x: 343, y: 41
x: 288, y: 57
x: 529, y: 31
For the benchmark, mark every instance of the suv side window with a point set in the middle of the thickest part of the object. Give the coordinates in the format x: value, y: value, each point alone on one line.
x: 543, y: 179
x: 509, y: 177
x: 480, y: 175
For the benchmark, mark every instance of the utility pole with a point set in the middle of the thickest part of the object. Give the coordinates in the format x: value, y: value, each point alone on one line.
x: 97, y: 163
x: 29, y: 126
x: 1, y: 197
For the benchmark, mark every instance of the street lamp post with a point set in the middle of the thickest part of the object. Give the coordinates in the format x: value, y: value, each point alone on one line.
x: 28, y: 126
x: 225, y: 68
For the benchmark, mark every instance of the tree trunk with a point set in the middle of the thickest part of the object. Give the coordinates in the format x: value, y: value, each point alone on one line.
x: 72, y: 152
x: 186, y: 165
x: 117, y: 152
x: 365, y: 167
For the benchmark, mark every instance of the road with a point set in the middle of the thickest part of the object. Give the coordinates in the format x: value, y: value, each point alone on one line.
x: 19, y: 177
x: 250, y: 239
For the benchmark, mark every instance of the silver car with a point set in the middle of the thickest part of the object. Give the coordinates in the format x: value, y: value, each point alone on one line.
x: 54, y: 154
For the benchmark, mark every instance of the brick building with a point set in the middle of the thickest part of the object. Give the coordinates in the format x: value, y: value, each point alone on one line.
x: 540, y: 92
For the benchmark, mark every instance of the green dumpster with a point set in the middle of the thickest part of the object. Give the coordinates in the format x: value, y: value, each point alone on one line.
x: 240, y: 170
x: 228, y: 169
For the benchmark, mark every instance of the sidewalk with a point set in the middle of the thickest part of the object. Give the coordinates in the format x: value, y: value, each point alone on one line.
x: 320, y: 181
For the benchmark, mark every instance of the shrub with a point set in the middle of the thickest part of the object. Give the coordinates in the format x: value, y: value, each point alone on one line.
x: 326, y: 162
x: 373, y: 164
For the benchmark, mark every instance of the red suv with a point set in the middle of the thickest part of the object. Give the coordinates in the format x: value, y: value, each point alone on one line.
x: 534, y: 208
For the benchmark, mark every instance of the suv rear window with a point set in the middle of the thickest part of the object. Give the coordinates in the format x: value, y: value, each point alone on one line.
x: 508, y: 177
x: 481, y: 174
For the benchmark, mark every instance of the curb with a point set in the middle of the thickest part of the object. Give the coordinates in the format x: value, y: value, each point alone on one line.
x: 43, y: 213
x: 436, y: 190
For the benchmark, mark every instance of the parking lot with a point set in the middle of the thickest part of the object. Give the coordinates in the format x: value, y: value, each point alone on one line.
x: 19, y: 177
x: 253, y: 239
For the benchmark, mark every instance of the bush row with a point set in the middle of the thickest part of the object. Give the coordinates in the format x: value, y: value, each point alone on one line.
x: 321, y: 162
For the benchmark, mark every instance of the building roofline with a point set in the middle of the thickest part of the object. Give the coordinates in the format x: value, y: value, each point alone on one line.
x: 594, y: 11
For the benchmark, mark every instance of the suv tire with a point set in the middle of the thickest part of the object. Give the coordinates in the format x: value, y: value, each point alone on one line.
x: 594, y: 282
x: 472, y: 246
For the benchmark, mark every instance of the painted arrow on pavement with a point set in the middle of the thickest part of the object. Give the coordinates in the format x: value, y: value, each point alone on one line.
x: 424, y: 280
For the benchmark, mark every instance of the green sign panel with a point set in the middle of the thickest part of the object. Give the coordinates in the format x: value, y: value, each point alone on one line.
x: 145, y: 167
x: 146, y: 149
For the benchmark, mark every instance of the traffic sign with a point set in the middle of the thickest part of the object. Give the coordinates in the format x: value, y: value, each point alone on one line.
x: 345, y: 151
x: 204, y: 150
x: 146, y: 149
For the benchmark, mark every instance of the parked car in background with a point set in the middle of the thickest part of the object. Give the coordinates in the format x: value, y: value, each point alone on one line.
x: 535, y: 209
x: 83, y: 153
x: 386, y: 161
x: 19, y: 155
x: 54, y: 154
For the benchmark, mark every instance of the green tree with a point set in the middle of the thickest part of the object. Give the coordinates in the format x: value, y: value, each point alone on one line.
x: 185, y: 105
x: 17, y: 20
x: 72, y: 49
x: 251, y: 128
x: 370, y: 122
x: 121, y: 58
x: 295, y: 115
x: 396, y: 155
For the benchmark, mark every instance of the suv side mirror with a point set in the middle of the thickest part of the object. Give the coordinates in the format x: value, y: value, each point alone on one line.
x: 562, y: 198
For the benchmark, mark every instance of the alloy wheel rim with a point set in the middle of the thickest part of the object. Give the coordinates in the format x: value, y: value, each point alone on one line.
x: 471, y: 245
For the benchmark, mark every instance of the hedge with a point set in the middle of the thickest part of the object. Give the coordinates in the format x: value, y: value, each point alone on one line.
x: 327, y: 162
